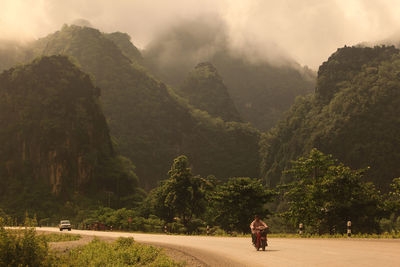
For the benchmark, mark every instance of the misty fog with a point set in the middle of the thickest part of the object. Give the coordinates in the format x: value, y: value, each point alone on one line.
x: 306, y: 31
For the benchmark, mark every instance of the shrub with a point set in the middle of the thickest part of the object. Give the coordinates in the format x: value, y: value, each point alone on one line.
x: 125, y: 242
x: 22, y: 248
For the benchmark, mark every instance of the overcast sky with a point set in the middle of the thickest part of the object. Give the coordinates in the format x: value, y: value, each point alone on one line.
x: 307, y: 30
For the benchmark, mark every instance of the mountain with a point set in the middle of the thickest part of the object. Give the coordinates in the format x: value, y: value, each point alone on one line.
x: 54, y: 140
x: 263, y: 92
x: 352, y: 115
x: 151, y: 124
x: 206, y: 91
x: 123, y: 41
x: 260, y: 90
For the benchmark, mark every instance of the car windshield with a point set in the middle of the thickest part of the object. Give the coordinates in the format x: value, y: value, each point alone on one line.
x: 65, y: 222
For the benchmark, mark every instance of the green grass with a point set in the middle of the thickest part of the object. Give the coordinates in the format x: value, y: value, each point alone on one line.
x: 306, y: 235
x: 374, y: 236
x: 52, y: 237
x: 385, y: 235
x: 123, y: 252
x: 60, y: 237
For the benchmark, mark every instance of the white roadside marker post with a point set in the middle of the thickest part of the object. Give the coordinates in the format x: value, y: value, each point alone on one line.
x: 301, y: 227
x: 349, y: 228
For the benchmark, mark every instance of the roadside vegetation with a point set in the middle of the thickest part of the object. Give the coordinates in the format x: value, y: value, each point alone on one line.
x: 123, y: 252
x: 60, y: 237
x: 24, y: 247
x: 384, y: 235
x: 48, y: 237
x: 323, y: 196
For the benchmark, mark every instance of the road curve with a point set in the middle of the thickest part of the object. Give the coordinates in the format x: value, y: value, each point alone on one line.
x: 236, y: 251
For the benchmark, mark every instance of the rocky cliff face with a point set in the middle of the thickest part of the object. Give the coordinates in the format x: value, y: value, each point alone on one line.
x: 52, y: 129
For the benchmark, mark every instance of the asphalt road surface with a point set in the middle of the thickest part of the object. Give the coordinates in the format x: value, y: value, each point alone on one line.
x: 237, y: 251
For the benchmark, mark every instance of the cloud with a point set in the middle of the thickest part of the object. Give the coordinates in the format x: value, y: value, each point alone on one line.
x: 308, y: 30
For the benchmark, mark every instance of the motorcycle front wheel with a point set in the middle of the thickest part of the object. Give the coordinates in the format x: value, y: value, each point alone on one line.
x: 263, y: 244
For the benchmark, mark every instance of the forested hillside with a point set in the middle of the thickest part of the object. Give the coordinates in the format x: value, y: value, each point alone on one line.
x: 353, y: 115
x: 205, y: 90
x: 54, y: 141
x: 261, y: 91
x: 151, y: 124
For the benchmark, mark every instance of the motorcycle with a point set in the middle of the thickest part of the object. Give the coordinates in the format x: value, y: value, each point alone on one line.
x: 261, y: 241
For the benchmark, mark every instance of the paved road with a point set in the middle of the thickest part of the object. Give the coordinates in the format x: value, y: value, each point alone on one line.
x: 232, y: 251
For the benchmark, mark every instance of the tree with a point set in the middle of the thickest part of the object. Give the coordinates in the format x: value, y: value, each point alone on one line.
x: 395, y: 193
x: 181, y: 195
x: 237, y: 201
x: 393, y: 200
x: 325, y: 195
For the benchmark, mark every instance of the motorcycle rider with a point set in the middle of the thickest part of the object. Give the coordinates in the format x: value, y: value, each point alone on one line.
x: 254, y: 225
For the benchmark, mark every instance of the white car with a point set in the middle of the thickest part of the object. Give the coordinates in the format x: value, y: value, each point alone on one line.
x: 65, y: 224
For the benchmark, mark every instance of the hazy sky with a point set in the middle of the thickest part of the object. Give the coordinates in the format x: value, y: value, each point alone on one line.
x: 308, y: 30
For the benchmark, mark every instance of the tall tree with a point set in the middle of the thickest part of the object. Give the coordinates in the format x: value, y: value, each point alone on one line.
x: 181, y: 195
x: 237, y: 201
x: 325, y: 195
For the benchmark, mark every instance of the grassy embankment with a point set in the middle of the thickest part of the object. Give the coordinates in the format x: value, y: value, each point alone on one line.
x: 24, y: 247
x: 123, y: 252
